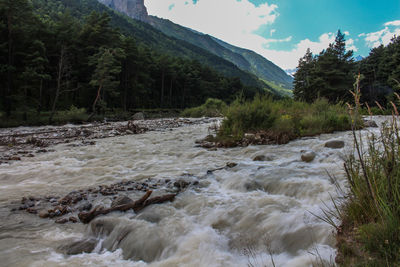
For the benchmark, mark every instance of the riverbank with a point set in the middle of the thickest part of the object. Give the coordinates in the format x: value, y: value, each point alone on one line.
x: 369, y: 233
x: 265, y: 121
x: 25, y: 142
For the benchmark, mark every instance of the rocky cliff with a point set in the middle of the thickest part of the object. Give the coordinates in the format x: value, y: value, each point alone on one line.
x: 132, y: 8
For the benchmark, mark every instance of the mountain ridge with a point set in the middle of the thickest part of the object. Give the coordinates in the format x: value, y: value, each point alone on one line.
x: 245, y: 59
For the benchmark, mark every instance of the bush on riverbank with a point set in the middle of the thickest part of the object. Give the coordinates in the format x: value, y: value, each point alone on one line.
x: 284, y: 120
x: 370, y: 230
x: 211, y: 108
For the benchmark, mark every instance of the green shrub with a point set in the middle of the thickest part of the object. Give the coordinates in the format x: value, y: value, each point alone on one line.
x: 211, y: 108
x: 283, y: 120
x: 73, y: 115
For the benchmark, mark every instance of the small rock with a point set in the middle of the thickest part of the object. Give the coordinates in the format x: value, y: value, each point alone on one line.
x: 31, y: 210
x: 121, y: 200
x: 253, y: 186
x: 370, y: 123
x: 128, y: 132
x: 334, y: 144
x: 138, y: 116
x: 73, y: 219
x: 308, y: 156
x: 85, y: 206
x: 181, y: 184
x: 206, y: 144
x: 43, y: 214
x: 231, y: 164
x: 62, y: 220
x: 260, y: 158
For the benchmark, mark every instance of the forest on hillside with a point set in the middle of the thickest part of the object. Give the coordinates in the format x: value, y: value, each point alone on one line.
x: 53, y: 59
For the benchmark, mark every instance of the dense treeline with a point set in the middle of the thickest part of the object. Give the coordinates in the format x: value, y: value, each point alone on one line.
x: 52, y: 60
x: 331, y: 74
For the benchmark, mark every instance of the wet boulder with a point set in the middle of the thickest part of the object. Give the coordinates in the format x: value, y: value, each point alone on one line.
x: 85, y: 206
x: 370, y: 123
x: 43, y: 214
x: 121, y: 200
x: 78, y: 247
x: 335, y: 144
x: 263, y: 158
x: 252, y: 186
x: 260, y: 158
x: 231, y: 164
x: 308, y: 156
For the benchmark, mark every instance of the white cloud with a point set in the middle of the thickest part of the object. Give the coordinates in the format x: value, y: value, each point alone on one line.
x: 235, y: 22
x: 393, y: 23
x: 384, y: 36
x: 230, y: 20
x: 290, y: 59
x: 350, y: 45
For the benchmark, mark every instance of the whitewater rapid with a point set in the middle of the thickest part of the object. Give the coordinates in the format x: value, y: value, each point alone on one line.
x: 265, y: 207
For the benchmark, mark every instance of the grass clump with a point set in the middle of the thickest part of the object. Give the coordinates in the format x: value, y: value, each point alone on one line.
x: 371, y: 216
x: 284, y: 120
x: 211, y: 108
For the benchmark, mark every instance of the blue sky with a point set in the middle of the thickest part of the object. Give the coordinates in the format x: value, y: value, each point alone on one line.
x: 281, y: 30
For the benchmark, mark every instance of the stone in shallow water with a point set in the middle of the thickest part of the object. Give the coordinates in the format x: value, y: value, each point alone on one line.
x: 308, y: 156
x: 121, y: 200
x: 43, y: 214
x: 78, y: 247
x: 370, y: 123
x: 335, y: 144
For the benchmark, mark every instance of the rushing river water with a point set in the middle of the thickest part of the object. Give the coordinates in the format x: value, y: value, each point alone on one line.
x: 261, y: 206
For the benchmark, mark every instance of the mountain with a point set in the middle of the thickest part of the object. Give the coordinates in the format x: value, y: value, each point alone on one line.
x: 147, y: 35
x: 132, y: 8
x: 291, y: 72
x: 243, y: 58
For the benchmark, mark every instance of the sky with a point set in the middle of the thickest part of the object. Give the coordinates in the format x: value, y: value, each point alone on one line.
x: 282, y: 30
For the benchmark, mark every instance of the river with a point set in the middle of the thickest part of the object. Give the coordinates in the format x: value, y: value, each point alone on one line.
x: 248, y: 214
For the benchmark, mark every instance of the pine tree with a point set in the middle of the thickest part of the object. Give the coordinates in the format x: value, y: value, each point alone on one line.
x: 104, y: 77
x: 303, y: 77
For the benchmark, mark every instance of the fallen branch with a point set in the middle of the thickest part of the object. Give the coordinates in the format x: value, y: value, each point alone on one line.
x: 138, y: 205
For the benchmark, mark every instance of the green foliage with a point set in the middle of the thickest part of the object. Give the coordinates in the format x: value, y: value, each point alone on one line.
x: 374, y: 200
x: 212, y: 108
x: 328, y: 75
x: 381, y: 71
x: 73, y: 115
x: 55, y: 54
x: 283, y: 120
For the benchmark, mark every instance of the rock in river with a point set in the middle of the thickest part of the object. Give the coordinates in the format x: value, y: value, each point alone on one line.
x: 121, y: 200
x: 78, y: 247
x: 308, y: 156
x: 370, y: 123
x: 334, y: 144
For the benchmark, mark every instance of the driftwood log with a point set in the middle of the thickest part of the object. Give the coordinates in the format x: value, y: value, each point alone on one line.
x: 137, y: 205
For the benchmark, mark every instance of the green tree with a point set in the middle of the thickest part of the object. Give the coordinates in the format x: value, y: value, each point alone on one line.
x: 329, y: 75
x: 104, y: 78
x: 302, y: 79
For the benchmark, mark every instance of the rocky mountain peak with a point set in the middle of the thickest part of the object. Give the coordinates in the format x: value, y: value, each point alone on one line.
x: 132, y: 8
